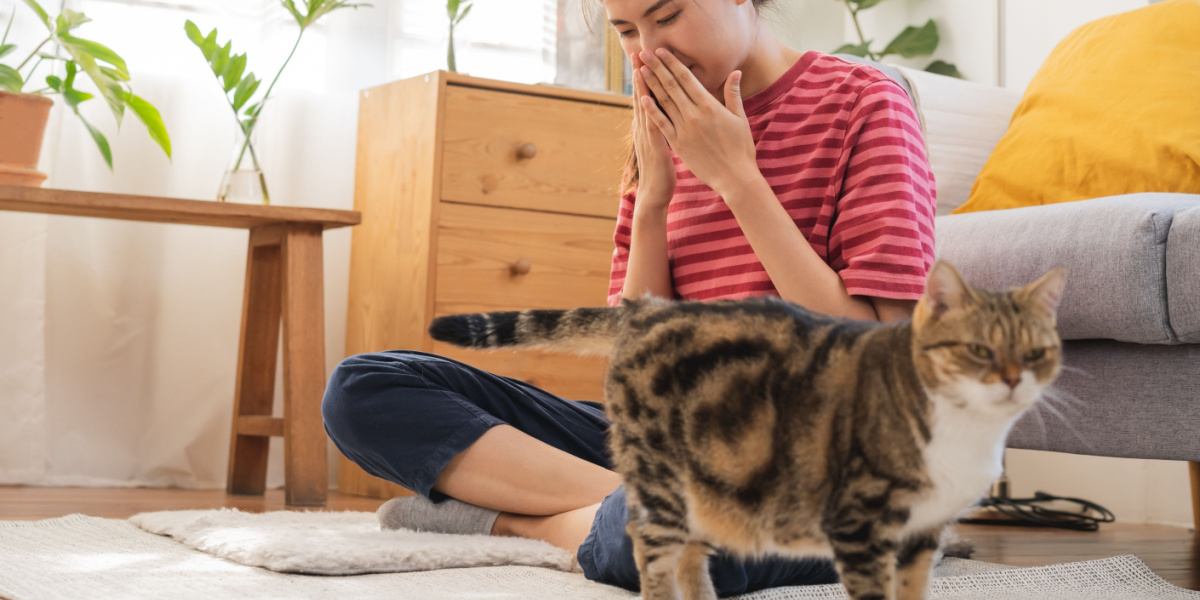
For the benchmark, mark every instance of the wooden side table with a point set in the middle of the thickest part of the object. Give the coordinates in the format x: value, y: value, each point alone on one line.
x: 284, y: 282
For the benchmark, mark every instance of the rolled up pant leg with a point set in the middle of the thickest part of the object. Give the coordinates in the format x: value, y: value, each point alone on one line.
x: 404, y: 415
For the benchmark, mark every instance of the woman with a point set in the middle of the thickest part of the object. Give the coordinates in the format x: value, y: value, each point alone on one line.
x: 756, y: 170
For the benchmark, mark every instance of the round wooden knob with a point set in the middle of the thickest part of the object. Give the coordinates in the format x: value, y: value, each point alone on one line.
x: 521, y: 267
x: 526, y: 151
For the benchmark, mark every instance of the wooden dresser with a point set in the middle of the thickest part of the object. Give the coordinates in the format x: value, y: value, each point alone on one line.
x: 481, y: 195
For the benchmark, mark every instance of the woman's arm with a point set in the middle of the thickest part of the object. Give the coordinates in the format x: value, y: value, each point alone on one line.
x: 648, y: 270
x: 796, y: 270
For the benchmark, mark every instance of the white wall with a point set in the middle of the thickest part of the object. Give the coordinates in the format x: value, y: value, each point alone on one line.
x: 1004, y: 42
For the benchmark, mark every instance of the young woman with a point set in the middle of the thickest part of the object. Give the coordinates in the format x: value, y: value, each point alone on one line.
x: 756, y: 170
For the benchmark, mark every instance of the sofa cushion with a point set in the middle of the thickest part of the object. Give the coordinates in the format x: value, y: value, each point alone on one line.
x: 1113, y: 110
x: 1183, y: 275
x: 963, y: 121
x: 1120, y: 283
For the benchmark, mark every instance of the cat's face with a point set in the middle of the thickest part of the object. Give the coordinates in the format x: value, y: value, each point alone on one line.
x: 988, y: 352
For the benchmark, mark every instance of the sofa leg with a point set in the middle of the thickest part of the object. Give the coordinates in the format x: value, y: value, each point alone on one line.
x: 1194, y: 471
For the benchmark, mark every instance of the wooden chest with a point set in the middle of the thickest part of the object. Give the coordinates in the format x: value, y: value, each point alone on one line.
x: 480, y: 195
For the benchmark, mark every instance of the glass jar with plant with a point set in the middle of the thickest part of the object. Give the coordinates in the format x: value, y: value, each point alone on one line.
x: 247, y: 182
x: 28, y: 110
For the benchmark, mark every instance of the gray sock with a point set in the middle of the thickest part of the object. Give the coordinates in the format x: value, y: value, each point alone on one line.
x: 451, y: 516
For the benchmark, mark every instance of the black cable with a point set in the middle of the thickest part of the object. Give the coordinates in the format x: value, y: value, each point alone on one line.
x: 1025, y: 512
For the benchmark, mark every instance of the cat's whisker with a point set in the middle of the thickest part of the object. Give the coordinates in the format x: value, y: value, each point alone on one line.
x: 1065, y: 396
x: 1067, y: 423
x: 1075, y: 407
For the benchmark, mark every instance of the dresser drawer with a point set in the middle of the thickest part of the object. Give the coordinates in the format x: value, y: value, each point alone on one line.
x: 506, y: 259
x: 525, y: 151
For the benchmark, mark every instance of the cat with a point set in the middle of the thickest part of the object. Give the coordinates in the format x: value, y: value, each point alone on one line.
x: 759, y: 427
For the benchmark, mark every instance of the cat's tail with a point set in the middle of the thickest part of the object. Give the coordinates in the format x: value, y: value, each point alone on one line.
x: 586, y: 331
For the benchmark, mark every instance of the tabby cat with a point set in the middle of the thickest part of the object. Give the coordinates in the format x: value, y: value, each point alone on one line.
x: 756, y: 426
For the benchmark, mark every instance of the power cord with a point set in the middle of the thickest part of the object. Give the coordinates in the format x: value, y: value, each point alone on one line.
x: 1026, y: 512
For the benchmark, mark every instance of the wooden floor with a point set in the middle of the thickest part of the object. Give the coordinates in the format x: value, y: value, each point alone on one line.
x: 1173, y: 553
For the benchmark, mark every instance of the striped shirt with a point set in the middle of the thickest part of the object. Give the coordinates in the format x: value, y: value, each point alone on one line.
x: 841, y: 146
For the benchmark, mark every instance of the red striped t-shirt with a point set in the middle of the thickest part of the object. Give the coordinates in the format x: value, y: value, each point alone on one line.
x: 841, y: 146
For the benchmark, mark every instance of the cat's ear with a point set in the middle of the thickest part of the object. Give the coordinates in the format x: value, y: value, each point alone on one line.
x: 945, y: 289
x: 1046, y: 293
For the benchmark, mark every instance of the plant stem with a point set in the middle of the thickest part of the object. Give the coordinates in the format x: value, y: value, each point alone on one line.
x: 35, y: 66
x: 33, y: 54
x: 263, y: 103
x: 857, y: 27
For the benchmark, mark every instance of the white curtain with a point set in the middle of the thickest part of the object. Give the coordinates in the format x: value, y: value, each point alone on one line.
x: 118, y: 340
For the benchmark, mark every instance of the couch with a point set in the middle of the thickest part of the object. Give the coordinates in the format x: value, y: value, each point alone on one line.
x: 1130, y: 316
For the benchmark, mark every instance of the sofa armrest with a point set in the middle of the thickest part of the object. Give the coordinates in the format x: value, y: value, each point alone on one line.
x: 1120, y: 283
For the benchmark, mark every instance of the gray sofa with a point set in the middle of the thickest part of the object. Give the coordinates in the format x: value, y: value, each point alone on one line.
x: 1130, y: 315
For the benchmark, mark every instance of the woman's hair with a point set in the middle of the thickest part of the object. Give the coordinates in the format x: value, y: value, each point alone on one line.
x: 629, y: 172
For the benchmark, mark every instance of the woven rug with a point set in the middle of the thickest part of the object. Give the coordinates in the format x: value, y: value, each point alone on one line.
x: 81, y: 556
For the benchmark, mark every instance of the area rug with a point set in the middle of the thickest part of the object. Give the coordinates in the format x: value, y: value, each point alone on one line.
x: 81, y: 556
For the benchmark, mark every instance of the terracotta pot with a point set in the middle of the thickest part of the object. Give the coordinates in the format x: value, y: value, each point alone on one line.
x: 23, y: 123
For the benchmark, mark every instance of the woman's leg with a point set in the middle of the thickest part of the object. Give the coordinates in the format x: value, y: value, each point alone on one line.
x: 510, y: 471
x: 443, y: 428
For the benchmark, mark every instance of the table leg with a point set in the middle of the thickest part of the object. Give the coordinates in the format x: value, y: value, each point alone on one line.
x: 306, y: 474
x: 255, y: 388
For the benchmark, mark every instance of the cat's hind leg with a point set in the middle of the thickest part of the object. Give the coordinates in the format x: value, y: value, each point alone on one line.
x: 657, y: 557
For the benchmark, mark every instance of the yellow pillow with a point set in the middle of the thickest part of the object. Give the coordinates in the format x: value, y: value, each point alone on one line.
x: 1115, y: 109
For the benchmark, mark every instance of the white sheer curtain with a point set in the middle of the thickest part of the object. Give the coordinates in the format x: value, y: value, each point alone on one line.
x: 117, y: 339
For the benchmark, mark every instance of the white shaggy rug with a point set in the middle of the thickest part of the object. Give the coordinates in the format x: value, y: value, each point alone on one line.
x: 89, y: 557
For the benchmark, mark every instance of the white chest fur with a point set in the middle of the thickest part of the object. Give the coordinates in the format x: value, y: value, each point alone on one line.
x: 963, y: 458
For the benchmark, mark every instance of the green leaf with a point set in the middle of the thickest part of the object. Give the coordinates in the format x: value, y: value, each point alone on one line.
x: 193, y: 33
x: 151, y: 118
x: 252, y: 110
x: 210, y: 45
x: 914, y: 41
x: 101, y: 141
x: 463, y: 15
x: 109, y: 88
x: 864, y: 4
x: 451, y: 9
x: 69, y: 20
x: 115, y: 74
x: 55, y: 82
x: 245, y: 90
x: 10, y: 79
x: 233, y: 73
x: 291, y: 8
x: 220, y: 59
x: 860, y: 50
x: 6, y: 48
x: 101, y: 52
x: 942, y: 67
x: 41, y: 12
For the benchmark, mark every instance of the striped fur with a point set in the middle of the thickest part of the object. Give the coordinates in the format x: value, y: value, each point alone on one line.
x: 756, y: 426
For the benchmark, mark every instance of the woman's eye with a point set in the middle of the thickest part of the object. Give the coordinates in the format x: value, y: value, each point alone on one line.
x: 667, y: 21
x: 980, y: 351
x: 625, y: 33
x: 1035, y: 355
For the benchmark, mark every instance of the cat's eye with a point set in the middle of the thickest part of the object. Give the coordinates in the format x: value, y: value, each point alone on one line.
x: 1035, y: 355
x: 980, y: 351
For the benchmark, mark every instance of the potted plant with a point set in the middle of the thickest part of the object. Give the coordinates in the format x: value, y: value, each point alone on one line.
x: 23, y: 113
x: 249, y: 183
x: 910, y: 43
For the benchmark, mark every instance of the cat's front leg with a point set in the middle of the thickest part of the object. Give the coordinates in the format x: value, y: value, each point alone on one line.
x: 694, y: 578
x: 867, y: 568
x: 914, y: 564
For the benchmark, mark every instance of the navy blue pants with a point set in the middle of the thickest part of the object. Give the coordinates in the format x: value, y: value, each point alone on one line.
x: 403, y: 416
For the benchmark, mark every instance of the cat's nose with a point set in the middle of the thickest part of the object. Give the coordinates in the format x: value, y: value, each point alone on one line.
x: 1011, y: 375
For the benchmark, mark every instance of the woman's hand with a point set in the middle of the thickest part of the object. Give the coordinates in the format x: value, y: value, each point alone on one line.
x: 656, y: 169
x: 712, y: 139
